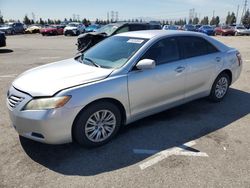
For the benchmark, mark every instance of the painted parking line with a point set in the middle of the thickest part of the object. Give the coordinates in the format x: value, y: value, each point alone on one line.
x: 183, y: 150
x: 247, y: 60
x: 8, y: 76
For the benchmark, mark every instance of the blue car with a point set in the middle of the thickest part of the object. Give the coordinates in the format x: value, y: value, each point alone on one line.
x: 207, y: 29
x: 188, y: 27
x: 92, y: 28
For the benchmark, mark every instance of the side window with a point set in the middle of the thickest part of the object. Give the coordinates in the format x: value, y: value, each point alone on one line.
x: 137, y: 27
x: 164, y: 51
x: 122, y: 30
x: 211, y: 49
x: 195, y: 46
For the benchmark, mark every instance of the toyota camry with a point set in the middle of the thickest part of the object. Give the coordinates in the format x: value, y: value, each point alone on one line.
x: 122, y: 79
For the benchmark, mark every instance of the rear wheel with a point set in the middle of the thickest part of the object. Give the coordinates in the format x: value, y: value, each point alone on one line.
x: 219, y: 88
x: 97, y: 124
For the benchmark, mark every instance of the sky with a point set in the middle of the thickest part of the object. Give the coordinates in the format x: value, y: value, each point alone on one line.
x: 127, y: 9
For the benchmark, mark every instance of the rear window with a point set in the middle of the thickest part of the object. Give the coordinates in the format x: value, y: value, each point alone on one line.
x: 196, y: 46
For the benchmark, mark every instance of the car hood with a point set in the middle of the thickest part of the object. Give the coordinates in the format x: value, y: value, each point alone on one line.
x: 70, y: 28
x: 243, y: 30
x: 48, y: 79
x: 5, y: 28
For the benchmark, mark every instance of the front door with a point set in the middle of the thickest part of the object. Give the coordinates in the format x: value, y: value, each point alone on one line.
x: 154, y: 89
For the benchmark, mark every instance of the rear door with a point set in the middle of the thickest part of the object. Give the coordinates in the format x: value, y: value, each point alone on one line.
x: 202, y: 60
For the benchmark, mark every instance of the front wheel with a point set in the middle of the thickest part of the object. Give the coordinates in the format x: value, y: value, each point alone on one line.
x: 219, y: 88
x: 97, y: 124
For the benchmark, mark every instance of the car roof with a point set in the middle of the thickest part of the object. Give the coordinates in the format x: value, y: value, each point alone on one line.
x: 149, y: 34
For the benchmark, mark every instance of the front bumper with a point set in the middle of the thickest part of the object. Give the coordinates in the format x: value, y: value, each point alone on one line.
x: 2, y: 41
x: 47, y: 126
x: 71, y: 32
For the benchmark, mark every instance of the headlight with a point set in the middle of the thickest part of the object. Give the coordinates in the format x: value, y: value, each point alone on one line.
x: 47, y: 103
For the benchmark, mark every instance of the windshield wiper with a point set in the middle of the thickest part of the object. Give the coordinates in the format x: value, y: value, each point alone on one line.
x: 91, y: 61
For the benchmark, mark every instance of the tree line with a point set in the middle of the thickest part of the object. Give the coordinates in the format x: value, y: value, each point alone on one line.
x: 230, y: 19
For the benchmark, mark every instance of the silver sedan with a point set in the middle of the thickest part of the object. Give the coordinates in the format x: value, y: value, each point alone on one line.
x: 122, y: 79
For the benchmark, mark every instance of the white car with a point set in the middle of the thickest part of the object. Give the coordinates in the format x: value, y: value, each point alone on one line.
x: 123, y: 78
x: 74, y: 28
x: 241, y: 30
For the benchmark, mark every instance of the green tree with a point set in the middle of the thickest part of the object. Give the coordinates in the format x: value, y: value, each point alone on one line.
x: 26, y: 20
x: 231, y: 18
x: 1, y: 19
x: 205, y: 21
x: 215, y: 21
x: 96, y: 21
x: 196, y: 20
x: 246, y: 18
x: 85, y: 21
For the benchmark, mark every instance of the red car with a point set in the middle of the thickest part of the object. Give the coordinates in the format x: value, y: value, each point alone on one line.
x: 52, y: 30
x: 224, y: 30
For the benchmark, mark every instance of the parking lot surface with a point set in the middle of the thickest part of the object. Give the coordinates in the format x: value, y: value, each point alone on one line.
x: 199, y: 144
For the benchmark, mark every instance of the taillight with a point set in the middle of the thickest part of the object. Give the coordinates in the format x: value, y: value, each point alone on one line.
x: 239, y: 58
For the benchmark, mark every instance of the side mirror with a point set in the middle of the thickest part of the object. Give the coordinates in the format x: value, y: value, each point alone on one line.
x: 145, y: 64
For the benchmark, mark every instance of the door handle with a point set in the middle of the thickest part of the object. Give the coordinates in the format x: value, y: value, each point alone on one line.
x: 179, y: 69
x: 218, y: 59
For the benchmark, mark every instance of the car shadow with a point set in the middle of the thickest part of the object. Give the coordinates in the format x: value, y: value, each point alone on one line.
x: 168, y: 129
x: 2, y: 51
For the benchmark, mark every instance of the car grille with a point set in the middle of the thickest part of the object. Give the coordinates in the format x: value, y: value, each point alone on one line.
x: 14, y: 100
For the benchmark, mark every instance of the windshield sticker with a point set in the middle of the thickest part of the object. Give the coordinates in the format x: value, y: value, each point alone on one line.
x: 135, y: 41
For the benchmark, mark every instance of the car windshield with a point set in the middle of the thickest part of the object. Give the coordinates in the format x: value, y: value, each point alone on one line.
x: 240, y: 27
x: 113, y: 52
x: 173, y: 27
x: 190, y: 26
x: 226, y: 27
x: 72, y: 25
x: 108, y: 29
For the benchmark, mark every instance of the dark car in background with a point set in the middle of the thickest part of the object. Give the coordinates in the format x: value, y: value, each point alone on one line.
x: 170, y: 27
x: 12, y: 28
x: 189, y: 27
x: 206, y: 29
x: 87, y: 40
x: 224, y: 30
x: 2, y: 39
x: 197, y: 27
x: 92, y: 28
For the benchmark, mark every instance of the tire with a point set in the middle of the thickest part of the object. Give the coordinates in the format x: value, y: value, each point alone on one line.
x: 86, y: 134
x: 219, y: 88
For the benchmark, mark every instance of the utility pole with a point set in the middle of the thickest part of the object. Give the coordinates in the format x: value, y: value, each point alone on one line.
x: 112, y: 16
x: 244, y: 10
x: 213, y: 13
x: 237, y: 13
x: 116, y: 16
x: 33, y: 17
